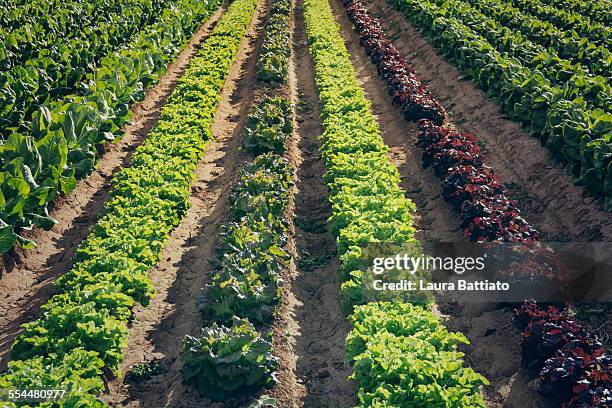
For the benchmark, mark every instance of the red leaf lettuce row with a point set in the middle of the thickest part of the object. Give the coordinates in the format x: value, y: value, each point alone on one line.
x: 574, y: 367
x: 408, y: 92
x: 471, y: 187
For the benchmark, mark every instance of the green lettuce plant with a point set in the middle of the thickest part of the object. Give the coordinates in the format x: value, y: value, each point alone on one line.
x: 268, y: 126
x: 223, y: 361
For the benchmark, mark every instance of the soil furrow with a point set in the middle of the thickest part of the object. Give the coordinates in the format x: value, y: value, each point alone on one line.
x: 491, y: 331
x: 27, y: 276
x: 323, y: 326
x: 157, y: 332
x: 289, y: 392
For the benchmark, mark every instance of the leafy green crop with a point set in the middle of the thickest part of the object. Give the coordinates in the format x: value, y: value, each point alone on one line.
x: 404, y: 356
x: 37, y: 165
x: 141, y: 372
x: 246, y: 284
x: 87, y: 321
x: 263, y: 188
x: 273, y: 64
x: 78, y: 373
x: 37, y: 71
x: 38, y: 28
x: 268, y: 126
x: 559, y: 116
x: 573, y: 47
x: 248, y: 280
x: 368, y: 205
x: 596, y: 10
x: 223, y: 361
x: 570, y: 79
x: 567, y: 19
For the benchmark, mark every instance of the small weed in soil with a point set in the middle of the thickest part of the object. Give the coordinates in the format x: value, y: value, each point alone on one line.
x: 142, y: 372
x: 308, y: 263
x: 264, y: 401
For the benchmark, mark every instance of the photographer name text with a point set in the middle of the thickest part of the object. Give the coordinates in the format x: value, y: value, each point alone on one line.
x: 422, y: 285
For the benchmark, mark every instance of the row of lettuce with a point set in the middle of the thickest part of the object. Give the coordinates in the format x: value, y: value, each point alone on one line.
x: 564, y: 117
x: 401, y: 354
x: 81, y: 331
x: 65, y: 136
x: 574, y: 368
x: 596, y: 58
x: 567, y: 20
x: 597, y: 10
x: 54, y: 18
x: 569, y: 76
x: 233, y: 355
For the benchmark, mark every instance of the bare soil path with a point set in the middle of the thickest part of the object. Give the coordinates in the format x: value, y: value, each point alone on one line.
x: 26, y: 277
x: 323, y: 326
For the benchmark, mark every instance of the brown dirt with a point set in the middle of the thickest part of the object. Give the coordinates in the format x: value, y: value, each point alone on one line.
x: 157, y: 332
x: 323, y: 326
x: 547, y: 195
x: 495, y: 342
x: 495, y: 352
x: 26, y: 277
x: 289, y: 392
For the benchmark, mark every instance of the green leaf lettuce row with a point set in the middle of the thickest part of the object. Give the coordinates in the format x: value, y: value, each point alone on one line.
x: 401, y: 354
x: 78, y: 374
x: 247, y: 281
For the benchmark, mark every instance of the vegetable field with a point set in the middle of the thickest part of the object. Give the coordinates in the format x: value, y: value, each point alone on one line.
x: 194, y: 196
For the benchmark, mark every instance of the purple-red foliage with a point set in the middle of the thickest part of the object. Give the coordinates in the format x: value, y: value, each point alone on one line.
x: 407, y: 90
